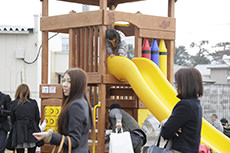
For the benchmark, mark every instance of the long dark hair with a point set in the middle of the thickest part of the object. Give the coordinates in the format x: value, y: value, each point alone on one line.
x: 113, y: 34
x: 189, y: 83
x: 23, y: 93
x: 78, y: 79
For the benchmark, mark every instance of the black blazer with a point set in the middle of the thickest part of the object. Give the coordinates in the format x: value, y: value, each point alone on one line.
x: 25, y: 120
x: 77, y: 124
x: 5, y: 107
x: 187, y: 115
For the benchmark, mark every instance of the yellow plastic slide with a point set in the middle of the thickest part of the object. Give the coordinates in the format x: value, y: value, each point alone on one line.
x: 158, y: 95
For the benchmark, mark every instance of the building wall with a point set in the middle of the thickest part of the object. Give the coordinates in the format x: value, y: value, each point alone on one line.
x: 216, y: 99
x: 219, y: 75
x: 59, y: 64
x: 14, y: 71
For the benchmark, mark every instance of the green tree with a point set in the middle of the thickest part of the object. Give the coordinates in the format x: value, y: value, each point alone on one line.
x: 181, y: 56
x: 201, y: 56
x: 223, y: 48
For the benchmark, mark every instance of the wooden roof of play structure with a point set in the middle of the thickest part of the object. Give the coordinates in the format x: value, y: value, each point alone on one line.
x: 96, y: 2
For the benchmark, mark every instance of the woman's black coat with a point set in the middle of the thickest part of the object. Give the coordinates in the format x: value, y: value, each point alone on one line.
x: 25, y: 120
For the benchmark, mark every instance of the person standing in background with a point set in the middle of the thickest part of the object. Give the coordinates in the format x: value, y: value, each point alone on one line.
x: 5, y: 107
x: 216, y: 123
x: 184, y: 124
x: 25, y: 119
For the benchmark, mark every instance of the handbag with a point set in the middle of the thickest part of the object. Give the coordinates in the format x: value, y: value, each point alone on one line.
x: 156, y: 147
x: 9, y: 141
x: 120, y: 142
x: 60, y: 148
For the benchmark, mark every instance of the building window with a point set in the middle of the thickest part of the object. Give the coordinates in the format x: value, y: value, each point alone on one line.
x: 65, y: 43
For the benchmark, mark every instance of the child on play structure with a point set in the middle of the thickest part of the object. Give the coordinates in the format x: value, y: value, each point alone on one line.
x: 115, y: 43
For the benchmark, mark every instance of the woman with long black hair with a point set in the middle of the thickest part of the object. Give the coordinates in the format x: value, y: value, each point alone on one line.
x: 75, y: 118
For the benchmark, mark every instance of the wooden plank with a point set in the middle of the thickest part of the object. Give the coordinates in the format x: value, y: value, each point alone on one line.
x: 81, y: 48
x: 45, y: 57
x: 47, y: 92
x: 125, y: 104
x: 45, y: 8
x: 166, y: 35
x: 101, y: 118
x: 96, y: 49
x: 128, y: 31
x: 94, y: 78
x: 85, y: 49
x: 141, y: 20
x: 96, y: 2
x: 103, y: 4
x: 110, y: 79
x: 91, y: 49
x: 138, y: 43
x: 95, y: 100
x: 121, y: 92
x: 102, y: 91
x: 170, y: 60
x: 72, y: 48
x: 68, y: 21
x: 78, y: 48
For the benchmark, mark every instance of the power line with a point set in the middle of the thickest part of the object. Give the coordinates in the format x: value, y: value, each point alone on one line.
x: 39, y: 50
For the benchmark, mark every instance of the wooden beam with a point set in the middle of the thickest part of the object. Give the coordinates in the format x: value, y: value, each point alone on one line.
x: 94, y: 78
x: 171, y: 45
x: 166, y: 35
x: 140, y: 20
x: 121, y: 92
x: 96, y: 2
x: 67, y: 21
x: 138, y: 43
x: 45, y: 47
x: 72, y: 55
x: 45, y: 91
x: 110, y: 79
x: 124, y: 103
x: 103, y: 4
x: 102, y: 91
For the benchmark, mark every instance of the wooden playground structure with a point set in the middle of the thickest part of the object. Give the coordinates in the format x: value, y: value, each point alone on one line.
x: 87, y: 50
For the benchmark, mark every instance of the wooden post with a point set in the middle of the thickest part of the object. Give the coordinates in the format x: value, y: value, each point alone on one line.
x: 102, y: 92
x: 171, y: 44
x: 72, y: 52
x: 103, y: 4
x: 45, y: 47
x: 138, y: 43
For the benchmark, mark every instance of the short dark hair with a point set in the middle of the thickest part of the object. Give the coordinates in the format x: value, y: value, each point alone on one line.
x: 115, y: 105
x: 189, y: 83
x: 224, y: 120
x: 215, y: 115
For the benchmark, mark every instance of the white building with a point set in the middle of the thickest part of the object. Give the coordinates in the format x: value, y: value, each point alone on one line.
x: 19, y: 45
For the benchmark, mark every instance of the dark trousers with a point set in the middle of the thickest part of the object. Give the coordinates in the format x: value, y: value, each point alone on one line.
x: 30, y: 150
x: 137, y: 143
x: 3, y: 135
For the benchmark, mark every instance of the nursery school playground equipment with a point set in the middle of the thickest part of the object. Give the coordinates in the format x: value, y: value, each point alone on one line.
x: 135, y: 85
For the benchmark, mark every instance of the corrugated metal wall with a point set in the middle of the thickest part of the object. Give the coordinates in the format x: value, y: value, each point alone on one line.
x: 216, y: 100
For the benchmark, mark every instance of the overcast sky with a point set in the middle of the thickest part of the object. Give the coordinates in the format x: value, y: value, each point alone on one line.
x: 196, y: 19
